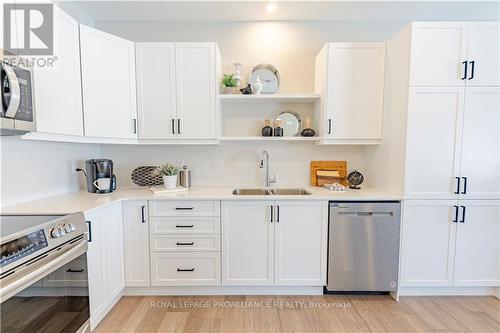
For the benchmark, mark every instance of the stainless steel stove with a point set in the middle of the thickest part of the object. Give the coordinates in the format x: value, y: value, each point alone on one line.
x: 43, y: 267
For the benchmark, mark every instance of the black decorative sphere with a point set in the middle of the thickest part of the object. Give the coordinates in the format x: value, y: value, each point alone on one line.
x: 355, y: 178
x: 308, y: 132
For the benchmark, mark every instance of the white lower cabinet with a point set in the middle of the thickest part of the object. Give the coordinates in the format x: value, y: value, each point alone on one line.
x: 136, y: 243
x: 274, y: 243
x: 105, y: 260
x: 450, y: 243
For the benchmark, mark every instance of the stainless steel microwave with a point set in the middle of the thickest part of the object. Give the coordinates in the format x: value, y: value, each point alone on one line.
x: 17, y: 114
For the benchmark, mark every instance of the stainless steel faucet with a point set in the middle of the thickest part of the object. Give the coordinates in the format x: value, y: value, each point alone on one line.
x: 264, y: 157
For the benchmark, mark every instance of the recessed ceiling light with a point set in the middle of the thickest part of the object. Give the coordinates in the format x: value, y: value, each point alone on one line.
x: 271, y: 7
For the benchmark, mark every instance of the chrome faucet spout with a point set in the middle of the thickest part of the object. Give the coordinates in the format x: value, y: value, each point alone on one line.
x: 264, y: 159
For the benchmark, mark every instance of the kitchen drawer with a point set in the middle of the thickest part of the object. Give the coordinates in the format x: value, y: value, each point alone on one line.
x: 185, y: 225
x: 184, y: 208
x: 185, y: 268
x: 185, y: 243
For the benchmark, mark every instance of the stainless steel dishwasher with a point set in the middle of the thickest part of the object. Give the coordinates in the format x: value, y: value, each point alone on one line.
x: 363, y: 246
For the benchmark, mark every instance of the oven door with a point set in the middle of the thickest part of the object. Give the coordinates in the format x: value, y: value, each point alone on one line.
x: 55, y: 301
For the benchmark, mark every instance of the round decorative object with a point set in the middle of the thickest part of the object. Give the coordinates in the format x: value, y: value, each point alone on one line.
x: 308, y: 132
x: 269, y: 77
x: 290, y: 122
x: 355, y: 178
x: 144, y: 176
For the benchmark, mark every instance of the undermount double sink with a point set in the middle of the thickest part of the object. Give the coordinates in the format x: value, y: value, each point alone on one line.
x: 271, y: 191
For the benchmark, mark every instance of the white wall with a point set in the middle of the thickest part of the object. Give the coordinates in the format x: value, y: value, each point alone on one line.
x: 288, y: 160
x: 31, y: 170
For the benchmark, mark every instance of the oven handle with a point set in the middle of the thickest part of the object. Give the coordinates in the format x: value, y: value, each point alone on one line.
x: 23, y: 282
x: 15, y: 91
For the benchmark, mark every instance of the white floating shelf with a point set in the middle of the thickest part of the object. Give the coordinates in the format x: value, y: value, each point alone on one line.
x: 285, y: 98
x: 268, y: 138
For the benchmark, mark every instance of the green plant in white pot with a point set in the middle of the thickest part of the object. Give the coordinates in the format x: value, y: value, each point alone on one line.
x: 169, y: 173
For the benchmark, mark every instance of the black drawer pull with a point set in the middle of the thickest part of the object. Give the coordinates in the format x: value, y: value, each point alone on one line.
x: 185, y: 243
x: 75, y: 270
x: 89, y: 224
x: 184, y: 208
x: 185, y: 270
x: 184, y: 226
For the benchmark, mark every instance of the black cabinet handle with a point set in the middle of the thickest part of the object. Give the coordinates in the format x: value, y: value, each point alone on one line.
x: 135, y: 125
x: 462, y: 220
x: 272, y: 213
x: 143, y: 213
x: 465, y: 70
x: 74, y: 270
x: 184, y: 208
x: 465, y: 185
x: 173, y: 126
x: 457, y: 188
x: 471, y: 70
x: 184, y: 243
x: 277, y: 214
x: 89, y: 224
x: 179, y: 128
x: 456, y: 214
x: 185, y: 270
x: 330, y: 126
x: 184, y: 226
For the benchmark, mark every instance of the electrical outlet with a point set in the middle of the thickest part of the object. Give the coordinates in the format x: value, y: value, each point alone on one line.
x: 218, y: 165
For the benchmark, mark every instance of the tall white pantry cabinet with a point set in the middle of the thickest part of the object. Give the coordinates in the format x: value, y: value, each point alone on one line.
x: 451, y: 212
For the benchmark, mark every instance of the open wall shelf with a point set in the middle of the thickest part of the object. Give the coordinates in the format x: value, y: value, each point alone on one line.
x: 286, y: 98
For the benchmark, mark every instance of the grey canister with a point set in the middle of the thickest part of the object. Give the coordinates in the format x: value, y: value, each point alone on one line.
x: 185, y: 177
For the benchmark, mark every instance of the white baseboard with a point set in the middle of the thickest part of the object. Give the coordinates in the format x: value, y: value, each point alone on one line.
x: 446, y: 291
x: 226, y: 290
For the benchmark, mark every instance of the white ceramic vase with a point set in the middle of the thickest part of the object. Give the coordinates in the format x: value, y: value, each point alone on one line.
x: 257, y: 86
x: 170, y: 182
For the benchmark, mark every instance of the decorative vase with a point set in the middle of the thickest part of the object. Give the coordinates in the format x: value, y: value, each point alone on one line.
x: 237, y: 75
x: 229, y: 90
x: 170, y: 182
x: 257, y: 86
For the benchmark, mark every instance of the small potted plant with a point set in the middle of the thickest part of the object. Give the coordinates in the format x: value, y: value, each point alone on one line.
x: 169, y: 173
x: 229, y: 83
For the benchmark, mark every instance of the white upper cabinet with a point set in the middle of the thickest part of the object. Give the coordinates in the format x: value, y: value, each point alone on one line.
x: 58, y: 99
x: 480, y: 161
x: 301, y: 233
x: 177, y: 89
x: 455, y: 54
x: 477, y: 257
x: 433, y: 130
x: 156, y: 95
x: 350, y: 79
x: 108, y: 80
x: 196, y: 90
x: 438, y: 50
x: 484, y: 51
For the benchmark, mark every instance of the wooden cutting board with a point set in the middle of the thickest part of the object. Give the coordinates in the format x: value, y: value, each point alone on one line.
x: 340, y: 166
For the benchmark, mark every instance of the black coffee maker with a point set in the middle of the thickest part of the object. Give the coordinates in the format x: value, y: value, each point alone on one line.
x: 99, y: 174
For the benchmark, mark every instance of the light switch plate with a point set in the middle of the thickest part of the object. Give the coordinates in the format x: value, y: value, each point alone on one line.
x: 218, y: 165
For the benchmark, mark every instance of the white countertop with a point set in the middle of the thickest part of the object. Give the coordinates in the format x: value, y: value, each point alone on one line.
x: 84, y: 202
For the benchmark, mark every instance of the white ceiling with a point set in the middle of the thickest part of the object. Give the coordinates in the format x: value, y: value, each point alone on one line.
x: 287, y: 10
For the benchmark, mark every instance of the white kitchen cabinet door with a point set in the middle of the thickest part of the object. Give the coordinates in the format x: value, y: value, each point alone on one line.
x: 136, y: 243
x: 484, y: 50
x: 301, y: 232
x: 112, y: 227
x: 58, y: 99
x: 437, y: 52
x: 480, y: 162
x: 156, y: 94
x: 247, y: 243
x: 108, y: 81
x: 428, y: 244
x: 355, y: 91
x: 477, y: 254
x: 433, y: 136
x: 196, y: 90
x: 97, y: 270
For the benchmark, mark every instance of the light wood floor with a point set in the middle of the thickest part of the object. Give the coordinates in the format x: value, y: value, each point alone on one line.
x: 338, y: 314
